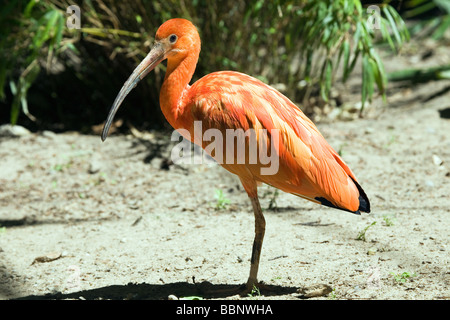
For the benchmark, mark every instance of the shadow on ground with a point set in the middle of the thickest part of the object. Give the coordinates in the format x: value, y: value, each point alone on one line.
x: 146, y: 291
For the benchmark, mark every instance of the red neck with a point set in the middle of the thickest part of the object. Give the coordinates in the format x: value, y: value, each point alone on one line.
x: 175, y: 87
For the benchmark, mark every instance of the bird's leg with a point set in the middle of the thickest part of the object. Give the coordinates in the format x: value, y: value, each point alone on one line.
x: 260, y: 227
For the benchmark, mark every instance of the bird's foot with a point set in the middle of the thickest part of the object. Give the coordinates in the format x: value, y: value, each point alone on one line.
x: 255, y: 288
x: 244, y: 290
x: 250, y: 289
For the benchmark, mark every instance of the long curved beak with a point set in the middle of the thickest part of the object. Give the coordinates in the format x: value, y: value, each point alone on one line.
x: 155, y: 56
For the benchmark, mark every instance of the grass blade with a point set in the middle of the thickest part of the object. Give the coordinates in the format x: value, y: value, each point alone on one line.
x: 392, y: 24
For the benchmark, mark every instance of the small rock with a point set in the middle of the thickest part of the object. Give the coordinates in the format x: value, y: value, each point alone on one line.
x: 358, y: 105
x: 302, y: 83
x: 437, y: 161
x: 48, y: 134
x: 8, y: 130
x: 431, y: 130
x: 94, y: 165
x: 429, y: 183
x: 369, y: 130
x: 133, y: 204
x: 172, y: 297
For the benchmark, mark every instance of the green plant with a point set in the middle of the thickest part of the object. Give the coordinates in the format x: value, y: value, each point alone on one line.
x: 342, y: 31
x: 433, y: 23
x: 333, y: 295
x: 255, y: 292
x: 299, y: 44
x: 62, y: 166
x: 402, y: 277
x: 392, y: 139
x: 418, y: 75
x: 388, y: 220
x: 362, y: 234
x: 28, y: 38
x: 434, y: 26
x: 221, y: 200
x: 341, y: 149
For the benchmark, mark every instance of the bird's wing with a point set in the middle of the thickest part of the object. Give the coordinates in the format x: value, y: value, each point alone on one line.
x: 308, y: 165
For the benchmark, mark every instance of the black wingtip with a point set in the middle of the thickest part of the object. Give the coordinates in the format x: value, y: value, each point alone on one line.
x: 364, y: 204
x: 327, y: 203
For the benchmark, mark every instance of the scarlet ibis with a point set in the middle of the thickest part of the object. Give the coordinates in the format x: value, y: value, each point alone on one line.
x: 308, y: 166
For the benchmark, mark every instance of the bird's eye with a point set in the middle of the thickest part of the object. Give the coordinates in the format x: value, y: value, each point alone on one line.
x: 173, y: 38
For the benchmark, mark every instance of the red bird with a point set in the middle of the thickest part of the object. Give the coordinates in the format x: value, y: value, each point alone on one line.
x: 307, y: 165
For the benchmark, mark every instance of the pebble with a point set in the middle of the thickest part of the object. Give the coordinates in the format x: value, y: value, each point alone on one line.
x: 369, y: 130
x: 437, y: 161
x: 94, y: 165
x: 8, y: 130
x: 429, y: 183
x: 48, y: 134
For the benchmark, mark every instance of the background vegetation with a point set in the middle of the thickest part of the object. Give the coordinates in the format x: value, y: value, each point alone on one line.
x: 56, y: 78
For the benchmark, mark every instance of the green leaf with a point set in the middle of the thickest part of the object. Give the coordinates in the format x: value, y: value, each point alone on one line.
x: 420, y: 9
x: 443, y: 26
x: 368, y: 81
x: 28, y: 8
x: 386, y: 35
x: 59, y: 30
x: 445, y: 74
x: 353, y: 63
x: 392, y: 24
x: 3, y: 69
x: 15, y: 105
x: 346, y: 52
x: 374, y: 77
x: 443, y: 4
x: 379, y: 73
x: 357, y: 34
x: 326, y: 79
x: 401, y: 26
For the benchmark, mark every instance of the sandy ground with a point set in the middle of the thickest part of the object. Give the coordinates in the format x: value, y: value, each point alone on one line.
x: 89, y: 220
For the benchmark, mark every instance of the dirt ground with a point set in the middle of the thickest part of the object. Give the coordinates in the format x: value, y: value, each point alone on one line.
x: 84, y: 219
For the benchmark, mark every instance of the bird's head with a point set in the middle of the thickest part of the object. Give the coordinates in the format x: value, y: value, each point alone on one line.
x: 174, y: 41
x: 178, y: 38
